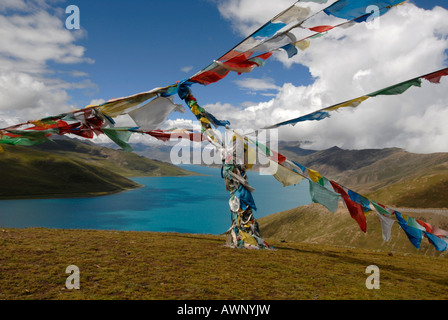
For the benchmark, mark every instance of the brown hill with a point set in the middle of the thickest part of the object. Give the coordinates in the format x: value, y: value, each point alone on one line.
x: 391, y: 176
x: 315, y: 224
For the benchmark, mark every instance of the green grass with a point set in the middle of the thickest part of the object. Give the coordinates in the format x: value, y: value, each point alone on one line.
x: 171, y: 266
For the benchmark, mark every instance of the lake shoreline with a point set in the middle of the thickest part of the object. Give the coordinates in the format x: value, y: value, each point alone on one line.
x: 92, y: 194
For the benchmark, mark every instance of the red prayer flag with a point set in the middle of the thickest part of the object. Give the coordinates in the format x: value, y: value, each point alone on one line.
x: 321, y: 29
x: 436, y: 76
x: 354, y: 208
x: 427, y: 226
x: 208, y: 77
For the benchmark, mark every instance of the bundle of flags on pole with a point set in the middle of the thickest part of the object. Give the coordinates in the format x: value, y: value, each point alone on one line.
x: 286, y: 32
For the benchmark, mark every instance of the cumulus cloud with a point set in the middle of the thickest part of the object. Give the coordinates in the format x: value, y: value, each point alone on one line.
x: 257, y: 84
x: 32, y: 35
x: 347, y: 63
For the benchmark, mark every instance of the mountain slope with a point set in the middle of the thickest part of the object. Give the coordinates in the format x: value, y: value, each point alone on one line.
x: 315, y: 224
x: 390, y: 176
x: 69, y: 168
x: 128, y: 164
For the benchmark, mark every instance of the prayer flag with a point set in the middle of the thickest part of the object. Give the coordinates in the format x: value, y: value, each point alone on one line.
x: 414, y: 235
x: 436, y: 76
x: 154, y: 113
x: 386, y: 226
x: 438, y: 243
x: 354, y: 208
x: 120, y: 136
x: 397, y: 89
x: 321, y: 29
x: 324, y: 196
x: 284, y: 175
x: 352, y: 9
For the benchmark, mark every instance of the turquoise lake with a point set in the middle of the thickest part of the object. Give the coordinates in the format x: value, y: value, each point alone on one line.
x: 193, y: 204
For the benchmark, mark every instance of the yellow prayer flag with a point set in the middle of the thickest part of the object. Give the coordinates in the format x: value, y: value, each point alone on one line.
x: 303, y: 44
x: 247, y: 238
x: 398, y: 4
x: 352, y: 103
x: 116, y: 107
x: 284, y: 175
x: 314, y: 175
x: 204, y: 120
x: 250, y: 155
x: 195, y: 110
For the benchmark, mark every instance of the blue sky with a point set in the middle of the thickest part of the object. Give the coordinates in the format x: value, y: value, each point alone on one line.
x: 138, y: 45
x: 126, y: 47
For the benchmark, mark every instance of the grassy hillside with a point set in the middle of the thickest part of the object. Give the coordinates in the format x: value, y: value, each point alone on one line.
x: 73, y: 169
x: 171, y: 266
x: 315, y: 224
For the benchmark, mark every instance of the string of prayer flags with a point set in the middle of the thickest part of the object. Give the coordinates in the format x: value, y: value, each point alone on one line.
x: 25, y: 138
x: 118, y: 106
x: 359, y: 205
x: 176, y: 134
x: 266, y: 37
x: 252, y: 52
x: 270, y: 37
x: 396, y: 89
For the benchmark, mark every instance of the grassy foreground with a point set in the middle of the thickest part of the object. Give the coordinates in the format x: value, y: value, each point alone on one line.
x: 171, y: 266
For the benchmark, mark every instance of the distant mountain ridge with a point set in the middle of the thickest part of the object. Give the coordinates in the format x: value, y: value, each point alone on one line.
x: 391, y: 176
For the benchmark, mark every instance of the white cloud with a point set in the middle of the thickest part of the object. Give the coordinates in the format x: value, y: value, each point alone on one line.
x: 32, y: 35
x: 257, y: 84
x: 348, y: 63
x: 186, y: 69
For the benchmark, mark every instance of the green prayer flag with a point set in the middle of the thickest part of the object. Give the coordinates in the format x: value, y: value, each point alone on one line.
x: 380, y: 209
x: 26, y: 137
x: 22, y: 141
x: 324, y: 196
x: 120, y: 136
x: 398, y: 88
x: 318, y: 35
x: 264, y: 148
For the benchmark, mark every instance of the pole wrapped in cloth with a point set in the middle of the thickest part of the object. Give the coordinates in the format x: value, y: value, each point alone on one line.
x: 244, y: 232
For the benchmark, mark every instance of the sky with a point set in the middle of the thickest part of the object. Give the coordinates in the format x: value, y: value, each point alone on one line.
x: 127, y: 47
